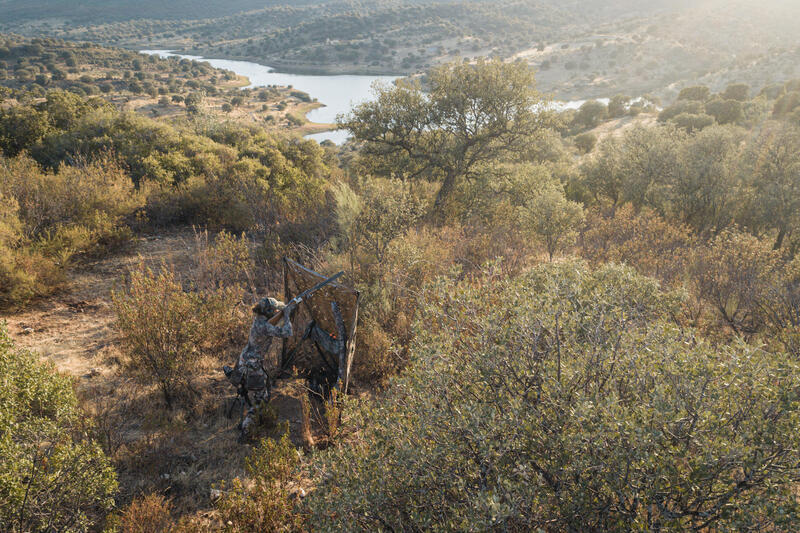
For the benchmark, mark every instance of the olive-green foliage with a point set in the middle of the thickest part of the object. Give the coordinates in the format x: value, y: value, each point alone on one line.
x: 590, y: 114
x: 585, y: 142
x: 725, y: 111
x: 737, y: 91
x: 563, y: 400
x: 222, y: 175
x: 52, y: 476
x: 618, y: 105
x: 264, y: 504
x: 693, y: 179
x: 692, y: 123
x: 23, y: 126
x: 632, y: 168
x: 549, y: 216
x: 470, y: 115
x: 51, y: 218
x: 689, y: 107
x: 699, y: 93
x: 85, y: 69
x: 773, y: 175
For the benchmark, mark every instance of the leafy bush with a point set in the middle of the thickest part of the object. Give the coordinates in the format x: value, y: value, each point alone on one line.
x: 725, y: 111
x: 51, y: 218
x: 699, y: 93
x: 585, y: 142
x: 551, y: 217
x: 265, y: 503
x: 590, y: 114
x: 562, y: 400
x: 166, y: 329
x: 692, y: 123
x: 52, y: 477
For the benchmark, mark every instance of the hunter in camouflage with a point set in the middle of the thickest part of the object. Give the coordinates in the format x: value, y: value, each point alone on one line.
x: 249, y: 370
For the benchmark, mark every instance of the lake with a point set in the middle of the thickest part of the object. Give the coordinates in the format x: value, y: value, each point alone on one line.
x: 339, y: 93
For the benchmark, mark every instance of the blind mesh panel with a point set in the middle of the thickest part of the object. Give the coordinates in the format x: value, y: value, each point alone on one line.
x: 317, y: 307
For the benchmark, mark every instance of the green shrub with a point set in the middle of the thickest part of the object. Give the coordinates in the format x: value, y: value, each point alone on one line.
x: 549, y: 216
x: 681, y: 106
x: 563, y: 401
x: 52, y: 477
x: 166, y: 330
x: 692, y: 123
x: 263, y: 504
x: 698, y: 93
x: 585, y: 142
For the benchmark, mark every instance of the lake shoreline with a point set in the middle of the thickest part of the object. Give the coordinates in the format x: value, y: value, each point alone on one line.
x: 331, y: 94
x: 291, y: 67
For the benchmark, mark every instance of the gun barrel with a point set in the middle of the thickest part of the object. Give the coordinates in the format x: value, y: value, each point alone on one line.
x: 305, y: 294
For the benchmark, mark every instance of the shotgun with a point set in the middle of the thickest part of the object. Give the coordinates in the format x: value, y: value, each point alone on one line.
x: 303, y: 295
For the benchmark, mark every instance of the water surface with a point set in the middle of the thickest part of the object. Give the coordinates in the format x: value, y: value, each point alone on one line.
x: 338, y: 93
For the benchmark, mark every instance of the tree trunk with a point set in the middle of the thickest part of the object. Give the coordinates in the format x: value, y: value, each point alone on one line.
x: 779, y: 240
x: 448, y: 185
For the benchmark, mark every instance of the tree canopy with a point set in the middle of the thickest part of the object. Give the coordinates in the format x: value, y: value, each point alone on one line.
x: 471, y: 114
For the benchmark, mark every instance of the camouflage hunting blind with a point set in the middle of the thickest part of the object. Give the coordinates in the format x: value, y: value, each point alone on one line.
x: 306, y: 358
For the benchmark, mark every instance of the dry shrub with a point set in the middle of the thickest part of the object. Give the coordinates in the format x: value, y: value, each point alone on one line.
x: 74, y: 195
x: 375, y: 359
x: 167, y: 329
x: 49, y: 219
x: 734, y: 274
x: 389, y: 292
x: 224, y: 263
x: 308, y: 436
x: 643, y: 240
x: 110, y: 408
x: 198, y: 200
x: 148, y: 514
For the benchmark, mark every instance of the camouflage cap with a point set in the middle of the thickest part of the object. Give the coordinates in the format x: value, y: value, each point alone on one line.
x: 268, y: 306
x: 276, y: 304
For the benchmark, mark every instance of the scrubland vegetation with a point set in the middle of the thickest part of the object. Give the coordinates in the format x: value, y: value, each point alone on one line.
x: 171, y: 88
x: 563, y: 326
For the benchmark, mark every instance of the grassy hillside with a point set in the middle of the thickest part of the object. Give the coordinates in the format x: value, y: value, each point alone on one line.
x: 386, y: 35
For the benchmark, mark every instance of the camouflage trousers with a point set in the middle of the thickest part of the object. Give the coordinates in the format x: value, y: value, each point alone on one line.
x: 255, y: 381
x: 258, y: 398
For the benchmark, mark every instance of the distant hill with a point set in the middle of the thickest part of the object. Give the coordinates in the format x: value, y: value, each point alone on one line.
x: 120, y: 10
x: 97, y: 11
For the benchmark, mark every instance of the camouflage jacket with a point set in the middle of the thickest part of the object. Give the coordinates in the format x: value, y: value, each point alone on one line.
x: 251, y: 360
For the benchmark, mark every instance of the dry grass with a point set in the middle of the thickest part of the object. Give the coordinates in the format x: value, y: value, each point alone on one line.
x: 179, y: 454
